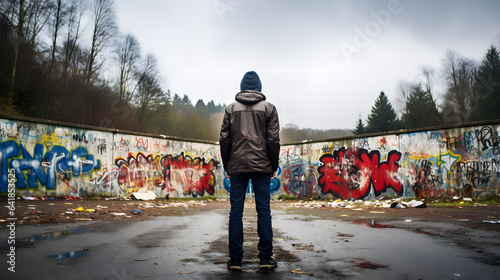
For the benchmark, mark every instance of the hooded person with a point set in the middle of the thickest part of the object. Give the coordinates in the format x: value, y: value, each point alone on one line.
x: 250, y: 146
x: 251, y: 81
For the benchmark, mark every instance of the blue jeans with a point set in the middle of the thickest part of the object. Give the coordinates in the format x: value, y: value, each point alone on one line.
x: 261, y: 185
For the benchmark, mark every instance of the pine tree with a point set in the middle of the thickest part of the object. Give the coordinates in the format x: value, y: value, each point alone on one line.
x: 421, y: 110
x: 487, y: 91
x: 360, y: 127
x: 200, y: 107
x: 382, y: 117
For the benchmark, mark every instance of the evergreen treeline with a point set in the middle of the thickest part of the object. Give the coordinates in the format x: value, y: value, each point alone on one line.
x: 292, y: 133
x: 471, y: 93
x: 52, y: 67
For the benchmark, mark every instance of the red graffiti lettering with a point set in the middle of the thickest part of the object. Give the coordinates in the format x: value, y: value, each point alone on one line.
x: 194, y: 176
x: 350, y: 174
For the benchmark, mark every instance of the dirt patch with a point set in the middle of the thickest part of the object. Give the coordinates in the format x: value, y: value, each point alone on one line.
x: 67, y: 211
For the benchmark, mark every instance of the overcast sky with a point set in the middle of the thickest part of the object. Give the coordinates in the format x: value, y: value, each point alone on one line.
x: 322, y: 63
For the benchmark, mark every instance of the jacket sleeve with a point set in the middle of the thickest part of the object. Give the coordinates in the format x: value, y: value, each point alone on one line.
x: 273, y: 139
x: 225, y: 139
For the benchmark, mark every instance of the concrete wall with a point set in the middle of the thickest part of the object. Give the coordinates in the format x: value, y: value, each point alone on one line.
x: 57, y: 160
x: 53, y: 159
x: 461, y: 161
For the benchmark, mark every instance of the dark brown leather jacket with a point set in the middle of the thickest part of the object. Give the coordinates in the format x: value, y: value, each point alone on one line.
x: 249, y: 136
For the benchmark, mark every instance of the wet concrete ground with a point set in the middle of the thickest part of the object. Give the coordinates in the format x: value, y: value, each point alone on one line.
x: 194, y: 246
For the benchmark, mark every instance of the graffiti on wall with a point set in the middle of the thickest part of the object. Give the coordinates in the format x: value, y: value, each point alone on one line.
x: 478, y: 176
x: 354, y: 174
x: 139, y: 171
x: 194, y: 176
x: 299, y: 180
x: 273, y: 187
x: 56, y: 160
x: 44, y: 167
x: 164, y: 174
x: 468, y: 167
x: 427, y: 176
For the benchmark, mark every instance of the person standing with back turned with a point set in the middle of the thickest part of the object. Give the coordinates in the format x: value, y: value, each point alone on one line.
x: 250, y: 147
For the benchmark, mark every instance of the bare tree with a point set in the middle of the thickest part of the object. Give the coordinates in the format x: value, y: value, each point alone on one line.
x: 59, y: 14
x: 149, y: 93
x: 129, y: 54
x: 72, y: 57
x: 459, y: 75
x: 28, y: 19
x: 38, y: 14
x: 103, y: 19
x: 428, y: 82
x: 402, y: 99
x: 70, y: 47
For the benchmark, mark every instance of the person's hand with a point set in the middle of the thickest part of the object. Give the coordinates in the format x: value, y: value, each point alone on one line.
x: 274, y: 175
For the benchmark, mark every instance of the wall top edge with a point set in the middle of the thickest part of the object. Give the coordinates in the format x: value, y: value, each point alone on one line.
x: 104, y: 129
x: 397, y: 132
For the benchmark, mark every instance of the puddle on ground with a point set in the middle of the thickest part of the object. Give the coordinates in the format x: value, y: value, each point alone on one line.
x: 494, y: 260
x: 69, y: 255
x: 53, y: 235
x: 362, y: 263
x: 190, y: 260
x: 371, y: 223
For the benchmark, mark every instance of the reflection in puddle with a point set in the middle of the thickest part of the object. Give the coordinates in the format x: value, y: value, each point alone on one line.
x: 371, y: 223
x: 369, y: 265
x: 366, y: 264
x: 72, y: 254
x: 54, y: 235
x: 488, y: 260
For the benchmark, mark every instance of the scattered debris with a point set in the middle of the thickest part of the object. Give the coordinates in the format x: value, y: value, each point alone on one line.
x: 300, y: 271
x: 360, y: 204
x: 492, y: 221
x: 136, y: 212
x: 144, y: 196
x: 412, y: 204
x: 120, y: 214
x: 416, y: 204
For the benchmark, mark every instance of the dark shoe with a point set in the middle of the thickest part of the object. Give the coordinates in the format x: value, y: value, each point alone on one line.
x: 267, y: 263
x: 234, y: 264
